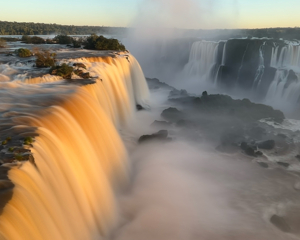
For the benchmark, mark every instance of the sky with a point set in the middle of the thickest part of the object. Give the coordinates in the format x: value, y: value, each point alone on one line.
x: 195, y: 14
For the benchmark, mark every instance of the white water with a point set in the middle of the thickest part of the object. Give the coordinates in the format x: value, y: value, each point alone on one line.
x: 261, y: 66
x: 286, y: 59
x: 79, y: 155
x: 203, y: 57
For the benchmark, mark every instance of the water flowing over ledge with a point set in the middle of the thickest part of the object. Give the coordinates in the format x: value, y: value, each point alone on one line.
x: 79, y: 156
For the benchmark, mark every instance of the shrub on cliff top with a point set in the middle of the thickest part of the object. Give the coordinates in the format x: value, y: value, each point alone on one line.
x: 44, y: 58
x: 63, y: 39
x: 24, y: 52
x: 101, y: 43
x: 33, y: 40
x: 64, y: 71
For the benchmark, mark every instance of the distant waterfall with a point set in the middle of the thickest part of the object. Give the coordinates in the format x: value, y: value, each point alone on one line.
x: 203, y: 57
x: 286, y: 83
x: 263, y: 68
x: 289, y: 56
x: 78, y: 153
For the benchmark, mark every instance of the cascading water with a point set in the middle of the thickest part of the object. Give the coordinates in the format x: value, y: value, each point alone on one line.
x: 78, y: 153
x: 203, y: 57
x: 286, y: 83
x: 261, y: 67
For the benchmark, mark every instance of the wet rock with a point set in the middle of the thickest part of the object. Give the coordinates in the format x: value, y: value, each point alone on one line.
x: 85, y: 75
x: 283, y: 164
x: 268, y: 145
x: 263, y: 164
x: 160, y: 135
x: 139, y: 107
x: 298, y: 157
x: 250, y: 151
x: 79, y: 65
x: 280, y: 223
x: 258, y: 153
x: 244, y: 146
x: 154, y: 83
x: 172, y: 114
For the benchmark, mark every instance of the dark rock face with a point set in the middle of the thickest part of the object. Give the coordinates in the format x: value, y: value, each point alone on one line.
x: 268, y: 145
x: 280, y: 223
x: 283, y: 164
x: 249, y: 150
x: 139, y: 107
x: 161, y: 135
x: 292, y: 77
x: 6, y: 187
x: 172, y: 114
x: 263, y: 165
x: 242, y: 65
x: 154, y: 83
x: 79, y: 65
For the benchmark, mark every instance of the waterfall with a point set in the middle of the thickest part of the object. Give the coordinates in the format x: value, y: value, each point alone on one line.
x: 238, y: 77
x: 261, y: 66
x: 203, y: 57
x: 287, y: 62
x: 78, y: 153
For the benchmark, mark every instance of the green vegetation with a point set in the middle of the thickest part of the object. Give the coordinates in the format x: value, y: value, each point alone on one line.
x: 33, y: 40
x: 101, y: 43
x: 28, y: 140
x: 65, y: 71
x: 44, y: 59
x: 23, y: 52
x: 4, y: 142
x: 29, y: 28
x: 19, y: 157
x: 77, y: 43
x: 63, y: 39
x: 11, y: 149
x: 2, y: 43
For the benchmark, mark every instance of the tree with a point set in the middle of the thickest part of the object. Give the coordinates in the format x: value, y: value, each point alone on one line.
x: 63, y: 39
x: 23, y: 52
x: 44, y: 58
x: 102, y: 43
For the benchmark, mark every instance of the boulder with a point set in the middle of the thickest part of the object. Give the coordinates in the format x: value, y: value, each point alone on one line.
x: 172, y: 114
x: 263, y: 164
x: 258, y: 153
x: 283, y: 164
x: 280, y: 223
x: 250, y: 151
x: 139, y: 107
x: 161, y: 135
x: 79, y: 65
x: 86, y: 75
x: 268, y: 145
